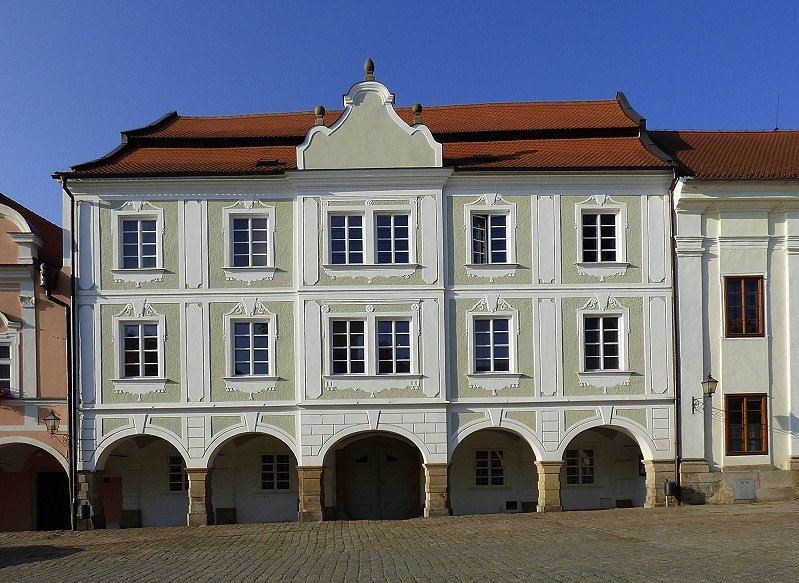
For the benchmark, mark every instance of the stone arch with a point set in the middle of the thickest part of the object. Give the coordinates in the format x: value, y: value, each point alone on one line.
x: 507, y: 425
x: 224, y: 437
x: 37, y: 444
x: 629, y: 428
x: 107, y: 445
x: 383, y: 429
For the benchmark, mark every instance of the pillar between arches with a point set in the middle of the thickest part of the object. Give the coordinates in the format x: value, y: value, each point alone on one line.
x: 311, y: 493
x: 436, y: 490
x: 657, y: 472
x: 201, y: 512
x: 90, y: 495
x: 549, y: 485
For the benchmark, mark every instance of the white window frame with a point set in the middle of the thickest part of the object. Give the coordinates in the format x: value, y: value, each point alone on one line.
x: 251, y: 311
x: 494, y: 307
x: 137, y: 211
x: 371, y: 381
x: 491, y: 204
x: 261, y: 464
x: 370, y: 268
x: 11, y: 338
x: 602, y: 205
x: 601, y: 307
x: 251, y: 273
x: 580, y: 454
x: 138, y: 312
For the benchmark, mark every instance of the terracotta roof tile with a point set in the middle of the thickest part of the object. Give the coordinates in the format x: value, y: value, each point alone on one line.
x: 767, y: 155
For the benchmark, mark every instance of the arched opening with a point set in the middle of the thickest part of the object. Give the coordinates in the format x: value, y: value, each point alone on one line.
x: 374, y: 476
x: 35, y: 489
x: 254, y: 479
x: 602, y: 468
x: 493, y: 470
x: 144, y: 484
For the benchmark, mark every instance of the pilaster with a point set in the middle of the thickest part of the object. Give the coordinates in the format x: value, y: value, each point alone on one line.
x: 90, y: 494
x: 436, y: 490
x: 312, y: 494
x: 549, y: 486
x: 657, y: 473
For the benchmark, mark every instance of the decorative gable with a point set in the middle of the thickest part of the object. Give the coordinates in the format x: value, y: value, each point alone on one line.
x: 369, y: 134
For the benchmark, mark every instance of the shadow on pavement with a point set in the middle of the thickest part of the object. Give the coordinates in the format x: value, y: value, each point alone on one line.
x: 10, y: 556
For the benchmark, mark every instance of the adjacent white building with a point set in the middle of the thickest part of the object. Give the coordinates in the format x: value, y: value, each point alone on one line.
x: 375, y: 313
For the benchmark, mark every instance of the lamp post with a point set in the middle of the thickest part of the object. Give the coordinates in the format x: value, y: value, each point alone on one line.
x: 709, y: 385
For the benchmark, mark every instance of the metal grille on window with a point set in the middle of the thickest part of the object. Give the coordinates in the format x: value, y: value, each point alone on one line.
x: 489, y: 468
x: 346, y: 239
x: 489, y: 239
x: 599, y: 237
x: 250, y: 242
x: 393, y: 346
x: 251, y: 348
x: 349, y: 347
x: 139, y: 248
x: 601, y: 337
x: 491, y: 345
x: 275, y: 472
x: 140, y: 350
x: 393, y: 240
x: 178, y: 479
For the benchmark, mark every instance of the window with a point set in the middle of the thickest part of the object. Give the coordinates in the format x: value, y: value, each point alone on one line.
x: 579, y: 466
x: 393, y: 346
x: 346, y: 239
x: 601, y: 346
x: 349, y: 347
x: 489, y: 238
x: 140, y: 350
x: 393, y: 238
x: 489, y: 468
x: 5, y: 368
x: 743, y: 306
x: 250, y: 241
x: 746, y: 424
x: 275, y: 471
x: 178, y: 479
x: 251, y: 348
x: 599, y: 242
x: 139, y: 244
x: 491, y: 345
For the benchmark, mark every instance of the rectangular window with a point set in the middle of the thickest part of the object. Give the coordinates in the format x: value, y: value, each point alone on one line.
x: 746, y: 424
x: 5, y: 367
x: 491, y: 345
x: 489, y: 238
x: 139, y: 247
x: 393, y: 346
x: 579, y: 466
x: 489, y: 468
x: 393, y: 238
x: 743, y: 306
x: 346, y: 239
x: 275, y: 472
x: 251, y: 348
x: 349, y: 347
x: 250, y: 241
x: 178, y: 479
x: 601, y: 342
x: 140, y: 350
x: 599, y: 241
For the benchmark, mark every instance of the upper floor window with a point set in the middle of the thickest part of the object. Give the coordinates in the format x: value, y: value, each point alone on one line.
x: 393, y: 238
x: 491, y: 344
x: 348, y: 347
x: 743, y: 306
x: 746, y: 424
x: 141, y: 350
x: 393, y: 346
x: 601, y: 225
x: 250, y: 241
x: 251, y: 347
x: 489, y: 467
x: 346, y: 239
x: 5, y: 368
x: 489, y: 238
x: 580, y: 468
x: 599, y: 238
x: 139, y: 244
x: 601, y: 348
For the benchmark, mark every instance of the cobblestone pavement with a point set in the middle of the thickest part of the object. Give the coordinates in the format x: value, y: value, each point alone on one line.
x: 755, y: 542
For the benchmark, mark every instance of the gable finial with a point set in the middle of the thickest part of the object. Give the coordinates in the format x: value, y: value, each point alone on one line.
x: 417, y: 113
x: 369, y: 67
x: 320, y: 115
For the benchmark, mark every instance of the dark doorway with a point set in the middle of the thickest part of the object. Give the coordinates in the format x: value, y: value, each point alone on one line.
x: 52, y: 501
x: 378, y: 479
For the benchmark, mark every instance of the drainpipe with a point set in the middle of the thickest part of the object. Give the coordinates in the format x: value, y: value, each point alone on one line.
x: 676, y: 333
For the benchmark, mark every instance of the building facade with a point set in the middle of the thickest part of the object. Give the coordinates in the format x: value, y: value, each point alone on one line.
x: 375, y: 313
x: 34, y: 294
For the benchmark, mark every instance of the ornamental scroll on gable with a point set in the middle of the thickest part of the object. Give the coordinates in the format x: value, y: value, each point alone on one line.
x: 369, y: 134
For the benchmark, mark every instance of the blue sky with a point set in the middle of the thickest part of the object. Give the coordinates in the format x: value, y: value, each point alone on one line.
x: 75, y: 74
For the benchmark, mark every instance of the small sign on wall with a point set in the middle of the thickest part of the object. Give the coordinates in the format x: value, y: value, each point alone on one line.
x: 744, y: 489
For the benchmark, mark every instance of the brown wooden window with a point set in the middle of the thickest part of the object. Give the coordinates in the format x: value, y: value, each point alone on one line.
x: 747, y: 424
x: 743, y: 306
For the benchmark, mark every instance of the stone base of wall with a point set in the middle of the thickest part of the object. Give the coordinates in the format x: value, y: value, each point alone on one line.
x: 703, y: 485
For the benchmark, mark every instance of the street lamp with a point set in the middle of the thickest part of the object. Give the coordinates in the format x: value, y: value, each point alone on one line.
x: 52, y: 422
x: 708, y: 388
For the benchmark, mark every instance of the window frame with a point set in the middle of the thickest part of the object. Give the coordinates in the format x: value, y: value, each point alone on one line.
x: 489, y: 467
x: 11, y: 338
x: 493, y: 380
x: 138, y: 312
x: 602, y: 205
x: 137, y: 211
x: 177, y: 478
x: 582, y: 474
x: 251, y: 310
x: 249, y: 273
x: 763, y: 397
x: 602, y: 306
x: 140, y: 352
x: 275, y: 489
x: 490, y: 205
x: 761, y: 332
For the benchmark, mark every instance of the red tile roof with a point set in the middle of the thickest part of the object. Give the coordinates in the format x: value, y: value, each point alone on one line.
x: 52, y: 235
x: 766, y: 155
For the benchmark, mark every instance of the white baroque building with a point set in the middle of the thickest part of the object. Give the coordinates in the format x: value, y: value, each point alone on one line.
x: 375, y: 313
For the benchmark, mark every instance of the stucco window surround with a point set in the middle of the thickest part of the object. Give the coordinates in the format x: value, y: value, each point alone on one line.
x: 259, y: 264
x: 370, y: 380
x: 750, y: 304
x: 139, y: 313
x: 250, y: 311
x: 137, y: 213
x: 492, y: 307
x: 9, y: 357
x: 601, y: 307
x: 368, y: 263
x: 477, y: 223
x: 601, y: 226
